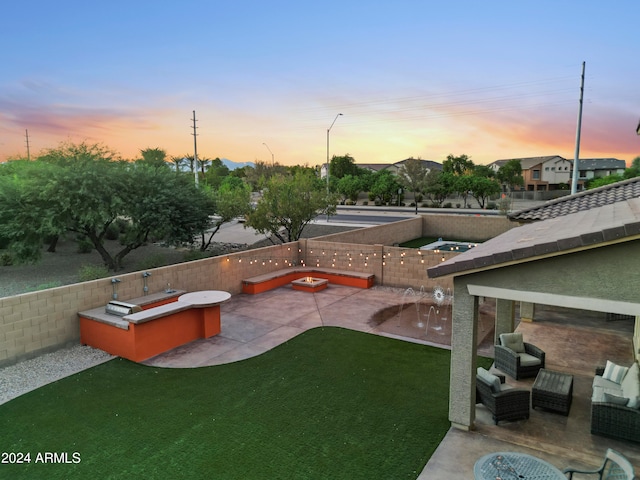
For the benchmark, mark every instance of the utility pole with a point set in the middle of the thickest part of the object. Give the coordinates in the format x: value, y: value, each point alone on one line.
x: 576, y: 158
x: 26, y: 133
x: 195, y: 149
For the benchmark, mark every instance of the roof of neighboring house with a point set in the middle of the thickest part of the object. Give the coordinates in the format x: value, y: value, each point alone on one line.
x: 605, y: 195
x: 430, y: 164
x: 528, y: 162
x: 600, y: 163
x: 584, y: 220
x: 374, y: 166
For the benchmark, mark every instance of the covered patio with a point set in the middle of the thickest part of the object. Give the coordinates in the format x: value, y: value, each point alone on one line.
x: 578, y: 254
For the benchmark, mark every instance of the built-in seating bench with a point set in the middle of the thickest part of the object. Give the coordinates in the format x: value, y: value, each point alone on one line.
x: 280, y: 278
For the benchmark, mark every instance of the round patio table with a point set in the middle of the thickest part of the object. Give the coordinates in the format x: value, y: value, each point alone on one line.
x: 514, y: 466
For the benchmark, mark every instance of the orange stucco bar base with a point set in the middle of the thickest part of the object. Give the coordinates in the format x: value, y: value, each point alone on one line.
x: 145, y: 340
x: 280, y: 278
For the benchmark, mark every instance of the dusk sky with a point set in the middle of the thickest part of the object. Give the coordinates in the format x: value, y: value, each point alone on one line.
x: 493, y: 80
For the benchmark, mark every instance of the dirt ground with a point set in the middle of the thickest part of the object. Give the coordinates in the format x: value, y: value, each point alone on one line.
x: 63, y: 266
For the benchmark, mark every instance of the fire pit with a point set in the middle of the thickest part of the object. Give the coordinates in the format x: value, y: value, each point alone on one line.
x: 310, y: 284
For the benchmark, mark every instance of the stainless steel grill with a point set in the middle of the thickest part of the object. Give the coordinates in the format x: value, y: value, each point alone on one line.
x: 121, y: 309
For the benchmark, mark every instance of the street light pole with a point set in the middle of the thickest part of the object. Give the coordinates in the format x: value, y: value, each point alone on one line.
x: 273, y: 162
x: 328, y: 130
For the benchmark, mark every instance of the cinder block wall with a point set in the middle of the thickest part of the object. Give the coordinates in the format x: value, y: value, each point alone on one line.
x: 38, y: 322
x: 388, y: 234
x: 43, y: 321
x: 474, y: 228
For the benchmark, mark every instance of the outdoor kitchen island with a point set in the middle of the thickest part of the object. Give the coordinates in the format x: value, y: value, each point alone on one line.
x: 132, y: 331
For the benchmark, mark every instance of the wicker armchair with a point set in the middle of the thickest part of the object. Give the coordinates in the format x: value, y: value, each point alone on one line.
x: 615, y: 466
x: 507, y: 403
x: 525, y: 360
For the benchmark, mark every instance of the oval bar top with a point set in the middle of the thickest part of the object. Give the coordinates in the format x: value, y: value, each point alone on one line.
x: 205, y: 298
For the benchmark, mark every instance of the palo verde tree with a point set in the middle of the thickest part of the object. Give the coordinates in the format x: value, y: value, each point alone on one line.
x: 87, y: 188
x: 289, y: 203
x: 461, y: 168
x: 413, y: 175
x: 230, y: 201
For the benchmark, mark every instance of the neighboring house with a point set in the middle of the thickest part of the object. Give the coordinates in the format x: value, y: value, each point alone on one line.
x: 542, y: 173
x: 576, y: 252
x: 394, y: 167
x: 589, y: 168
x: 553, y: 172
x: 374, y: 167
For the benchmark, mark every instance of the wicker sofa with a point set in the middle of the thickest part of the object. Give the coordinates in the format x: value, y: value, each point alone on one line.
x: 615, y: 402
x: 504, y: 402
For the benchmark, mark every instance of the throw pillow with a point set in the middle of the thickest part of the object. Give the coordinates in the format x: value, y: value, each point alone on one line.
x: 513, y: 341
x: 614, y: 373
x: 631, y: 383
x: 616, y: 400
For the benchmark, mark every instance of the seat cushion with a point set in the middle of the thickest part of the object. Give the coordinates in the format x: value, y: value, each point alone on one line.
x: 599, y: 381
x: 513, y: 341
x: 599, y: 393
x: 527, y: 360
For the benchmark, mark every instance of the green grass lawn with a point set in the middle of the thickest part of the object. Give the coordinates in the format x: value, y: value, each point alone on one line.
x: 329, y: 404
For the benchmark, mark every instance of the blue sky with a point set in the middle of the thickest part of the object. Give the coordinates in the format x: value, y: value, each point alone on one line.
x: 425, y: 79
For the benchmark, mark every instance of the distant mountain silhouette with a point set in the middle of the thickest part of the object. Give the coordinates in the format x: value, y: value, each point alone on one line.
x: 231, y: 165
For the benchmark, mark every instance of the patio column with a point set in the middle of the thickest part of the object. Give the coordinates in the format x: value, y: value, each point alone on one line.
x: 527, y: 311
x: 505, y: 314
x: 464, y: 335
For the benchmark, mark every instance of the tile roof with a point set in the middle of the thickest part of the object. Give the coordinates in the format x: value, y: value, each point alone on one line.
x: 605, y: 195
x: 583, y: 228
x: 529, y: 162
x: 601, y: 164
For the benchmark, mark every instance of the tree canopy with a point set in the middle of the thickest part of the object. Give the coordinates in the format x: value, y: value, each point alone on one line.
x: 288, y: 204
x: 84, y: 189
x: 413, y: 176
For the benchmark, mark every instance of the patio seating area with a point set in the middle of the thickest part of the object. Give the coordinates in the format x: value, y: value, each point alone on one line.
x: 252, y: 324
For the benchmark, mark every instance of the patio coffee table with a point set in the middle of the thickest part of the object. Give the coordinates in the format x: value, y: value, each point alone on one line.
x: 552, y: 390
x: 507, y: 465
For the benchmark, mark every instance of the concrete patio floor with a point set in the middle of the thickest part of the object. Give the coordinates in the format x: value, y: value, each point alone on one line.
x: 575, y: 342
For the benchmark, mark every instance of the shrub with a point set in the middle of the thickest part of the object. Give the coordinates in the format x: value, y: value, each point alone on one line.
x: 85, y: 246
x: 152, y: 261
x: 92, y: 272
x: 365, y: 203
x: 6, y: 259
x: 448, y: 205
